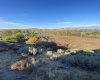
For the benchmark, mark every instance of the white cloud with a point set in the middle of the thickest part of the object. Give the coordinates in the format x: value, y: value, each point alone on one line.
x: 93, y: 25
x: 64, y: 23
x: 6, y: 24
x: 10, y: 23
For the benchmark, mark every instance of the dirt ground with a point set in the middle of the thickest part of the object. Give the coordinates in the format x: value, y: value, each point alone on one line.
x: 77, y: 42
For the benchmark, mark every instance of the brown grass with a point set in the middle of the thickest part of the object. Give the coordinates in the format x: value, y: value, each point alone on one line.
x: 77, y: 42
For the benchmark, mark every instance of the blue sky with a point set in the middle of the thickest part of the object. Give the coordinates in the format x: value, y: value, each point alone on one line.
x: 49, y: 13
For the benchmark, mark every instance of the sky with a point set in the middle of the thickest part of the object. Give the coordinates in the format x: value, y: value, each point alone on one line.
x: 49, y: 14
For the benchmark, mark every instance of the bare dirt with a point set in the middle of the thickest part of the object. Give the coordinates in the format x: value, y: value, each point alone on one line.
x: 77, y: 42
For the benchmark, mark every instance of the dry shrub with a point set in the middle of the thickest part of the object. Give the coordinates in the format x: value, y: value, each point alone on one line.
x: 31, y: 40
x: 72, y: 74
x: 19, y: 65
x: 85, y: 60
x: 1, y: 75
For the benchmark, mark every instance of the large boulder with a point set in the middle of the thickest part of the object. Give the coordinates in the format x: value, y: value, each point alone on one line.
x: 19, y: 65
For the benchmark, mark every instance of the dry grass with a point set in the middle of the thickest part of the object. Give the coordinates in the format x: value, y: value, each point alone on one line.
x: 77, y: 42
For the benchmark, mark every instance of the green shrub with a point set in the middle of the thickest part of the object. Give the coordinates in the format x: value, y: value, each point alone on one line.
x: 9, y: 39
x: 18, y: 37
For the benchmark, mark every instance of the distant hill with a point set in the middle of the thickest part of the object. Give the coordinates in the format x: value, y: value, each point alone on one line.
x: 89, y: 27
x: 81, y: 27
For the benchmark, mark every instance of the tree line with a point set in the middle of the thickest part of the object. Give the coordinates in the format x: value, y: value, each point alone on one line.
x: 32, y: 35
